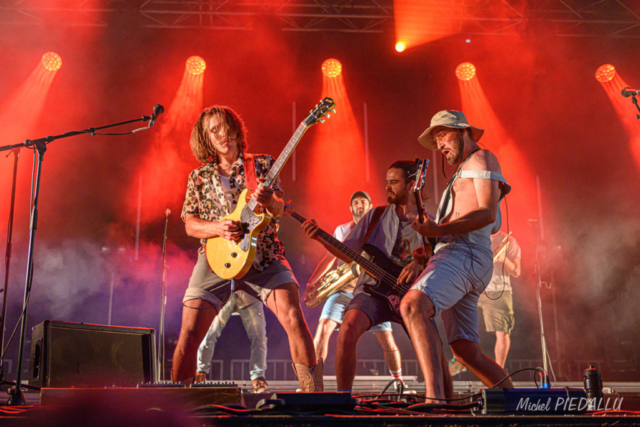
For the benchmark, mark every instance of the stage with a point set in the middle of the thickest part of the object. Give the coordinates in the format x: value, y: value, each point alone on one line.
x: 485, y: 156
x: 218, y: 406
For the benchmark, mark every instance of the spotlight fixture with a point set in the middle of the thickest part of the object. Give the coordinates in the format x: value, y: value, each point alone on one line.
x: 605, y: 73
x: 331, y: 68
x: 400, y: 46
x: 465, y: 71
x: 51, y: 61
x: 196, y: 65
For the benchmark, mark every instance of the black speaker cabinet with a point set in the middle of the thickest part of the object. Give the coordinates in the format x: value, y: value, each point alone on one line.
x: 65, y: 354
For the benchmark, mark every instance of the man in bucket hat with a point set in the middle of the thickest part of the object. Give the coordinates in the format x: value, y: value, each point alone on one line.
x: 461, y: 266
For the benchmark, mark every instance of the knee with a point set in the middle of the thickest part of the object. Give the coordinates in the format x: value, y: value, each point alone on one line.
x: 416, y: 303
x: 502, y: 337
x: 348, y: 336
x: 466, y: 353
x: 292, y: 318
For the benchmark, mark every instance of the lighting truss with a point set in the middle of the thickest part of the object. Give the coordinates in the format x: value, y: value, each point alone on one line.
x: 564, y: 18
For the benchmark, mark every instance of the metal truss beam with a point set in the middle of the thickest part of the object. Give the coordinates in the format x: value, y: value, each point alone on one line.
x: 564, y: 18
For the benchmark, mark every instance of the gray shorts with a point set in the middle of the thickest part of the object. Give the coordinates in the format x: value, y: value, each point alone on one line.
x: 205, y: 284
x: 453, y: 280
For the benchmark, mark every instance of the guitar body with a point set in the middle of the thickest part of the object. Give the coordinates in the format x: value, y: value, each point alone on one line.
x: 385, y: 288
x: 232, y: 260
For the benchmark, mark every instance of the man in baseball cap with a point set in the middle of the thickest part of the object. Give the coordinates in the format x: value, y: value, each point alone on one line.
x: 461, y: 266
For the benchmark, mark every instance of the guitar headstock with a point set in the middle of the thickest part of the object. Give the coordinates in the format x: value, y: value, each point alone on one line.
x: 421, y: 174
x: 321, y: 112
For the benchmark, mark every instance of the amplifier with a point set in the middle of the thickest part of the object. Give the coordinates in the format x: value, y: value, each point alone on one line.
x: 65, y: 354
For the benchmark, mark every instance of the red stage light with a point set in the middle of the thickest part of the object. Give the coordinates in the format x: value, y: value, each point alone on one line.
x: 605, y: 73
x: 51, y: 61
x: 400, y: 47
x: 331, y: 68
x: 196, y: 65
x: 465, y: 71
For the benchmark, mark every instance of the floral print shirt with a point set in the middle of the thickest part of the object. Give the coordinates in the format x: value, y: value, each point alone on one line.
x: 205, y: 198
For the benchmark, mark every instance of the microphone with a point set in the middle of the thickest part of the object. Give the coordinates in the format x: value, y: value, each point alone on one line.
x: 167, y: 212
x: 632, y: 92
x: 157, y: 110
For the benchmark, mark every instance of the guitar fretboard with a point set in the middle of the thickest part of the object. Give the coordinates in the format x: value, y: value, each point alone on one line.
x: 367, y: 265
x: 282, y: 159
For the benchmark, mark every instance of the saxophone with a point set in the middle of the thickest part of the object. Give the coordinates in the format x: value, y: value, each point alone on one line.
x: 330, y: 283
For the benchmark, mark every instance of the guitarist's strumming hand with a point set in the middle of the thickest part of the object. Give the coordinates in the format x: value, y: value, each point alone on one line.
x: 228, y: 229
x: 410, y: 273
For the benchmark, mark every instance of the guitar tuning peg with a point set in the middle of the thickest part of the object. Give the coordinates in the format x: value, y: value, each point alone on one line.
x: 327, y: 115
x: 333, y: 110
x: 322, y: 120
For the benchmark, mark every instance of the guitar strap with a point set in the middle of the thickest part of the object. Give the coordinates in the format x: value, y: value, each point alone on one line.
x: 250, y: 178
x: 375, y: 219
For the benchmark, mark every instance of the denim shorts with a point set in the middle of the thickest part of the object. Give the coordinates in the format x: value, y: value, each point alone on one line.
x: 337, y: 304
x: 453, y: 280
x: 206, y: 285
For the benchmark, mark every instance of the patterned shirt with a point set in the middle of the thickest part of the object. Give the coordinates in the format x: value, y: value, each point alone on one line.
x: 205, y: 198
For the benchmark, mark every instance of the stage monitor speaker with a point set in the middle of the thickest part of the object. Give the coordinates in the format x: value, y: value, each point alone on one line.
x: 65, y: 354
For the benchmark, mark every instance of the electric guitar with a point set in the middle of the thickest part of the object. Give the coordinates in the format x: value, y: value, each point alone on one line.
x: 419, y: 254
x: 232, y: 259
x: 380, y: 267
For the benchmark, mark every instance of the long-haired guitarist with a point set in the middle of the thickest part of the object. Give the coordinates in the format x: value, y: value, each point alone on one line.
x: 462, y: 263
x: 219, y: 142
x: 391, y: 232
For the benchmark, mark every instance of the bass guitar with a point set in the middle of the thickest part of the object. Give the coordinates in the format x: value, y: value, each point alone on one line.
x: 232, y: 259
x: 380, y: 267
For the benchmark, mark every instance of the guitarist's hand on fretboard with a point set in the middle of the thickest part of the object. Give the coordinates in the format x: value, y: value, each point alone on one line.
x: 310, y: 228
x: 428, y: 228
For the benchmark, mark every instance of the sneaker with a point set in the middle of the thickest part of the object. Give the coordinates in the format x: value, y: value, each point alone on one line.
x: 455, y: 367
x: 200, y: 377
x: 405, y: 388
x: 260, y: 385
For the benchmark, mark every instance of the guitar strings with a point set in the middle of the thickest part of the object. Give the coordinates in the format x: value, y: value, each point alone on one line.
x: 377, y: 271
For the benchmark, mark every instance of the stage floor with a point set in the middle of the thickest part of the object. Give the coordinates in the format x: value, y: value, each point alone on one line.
x: 42, y: 412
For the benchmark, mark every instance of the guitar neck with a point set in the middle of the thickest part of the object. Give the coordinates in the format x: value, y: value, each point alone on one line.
x: 367, y: 265
x: 282, y: 159
x: 419, y: 206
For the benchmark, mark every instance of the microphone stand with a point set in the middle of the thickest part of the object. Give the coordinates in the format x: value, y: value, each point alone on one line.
x: 16, y: 397
x: 16, y: 153
x: 635, y: 102
x: 543, y: 340
x: 163, y: 300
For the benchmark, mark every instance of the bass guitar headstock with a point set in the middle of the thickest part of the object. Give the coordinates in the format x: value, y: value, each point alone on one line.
x: 321, y: 112
x: 420, y: 178
x: 421, y: 174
